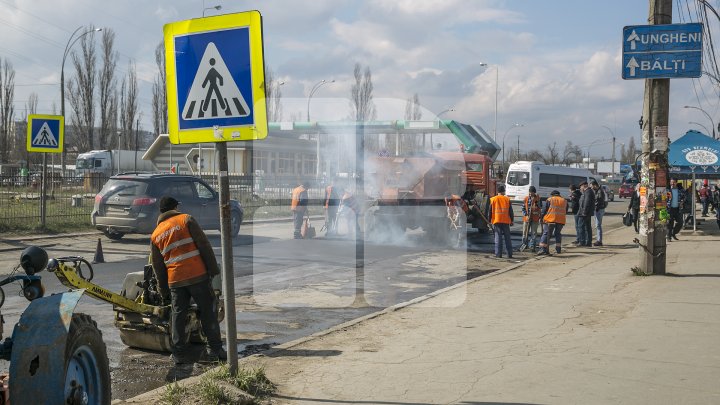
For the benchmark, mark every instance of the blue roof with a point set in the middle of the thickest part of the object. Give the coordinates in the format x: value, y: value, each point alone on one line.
x: 695, y: 153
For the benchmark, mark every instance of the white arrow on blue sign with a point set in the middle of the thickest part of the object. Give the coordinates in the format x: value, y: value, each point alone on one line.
x: 662, y: 51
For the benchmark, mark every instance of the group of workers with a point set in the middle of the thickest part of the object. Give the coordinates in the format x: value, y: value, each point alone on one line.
x: 584, y: 203
x: 338, y: 203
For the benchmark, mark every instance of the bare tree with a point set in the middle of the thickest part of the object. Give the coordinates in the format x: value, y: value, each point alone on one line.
x: 552, y: 155
x: 361, y: 95
x: 128, y: 107
x: 535, y: 155
x: 7, y: 110
x: 159, y: 93
x: 412, y: 108
x: 623, y: 154
x: 571, y: 153
x: 273, y: 95
x: 630, y: 152
x: 81, y: 91
x: 108, y: 85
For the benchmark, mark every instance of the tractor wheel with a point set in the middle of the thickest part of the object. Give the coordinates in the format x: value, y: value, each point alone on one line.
x: 87, y: 371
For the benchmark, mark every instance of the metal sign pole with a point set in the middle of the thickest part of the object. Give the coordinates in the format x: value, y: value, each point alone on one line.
x: 43, y: 200
x: 227, y: 258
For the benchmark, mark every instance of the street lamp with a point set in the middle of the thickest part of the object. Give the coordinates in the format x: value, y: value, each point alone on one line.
x: 210, y: 8
x: 313, y: 90
x: 515, y: 125
x: 497, y: 73
x: 612, y: 170
x: 597, y: 141
x: 69, y: 45
x: 700, y: 125
x: 707, y: 115
x: 451, y: 109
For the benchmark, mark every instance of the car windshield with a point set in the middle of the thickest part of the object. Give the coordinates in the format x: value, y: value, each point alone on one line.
x: 518, y: 178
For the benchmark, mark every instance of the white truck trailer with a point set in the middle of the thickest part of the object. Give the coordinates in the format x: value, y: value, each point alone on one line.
x: 110, y: 162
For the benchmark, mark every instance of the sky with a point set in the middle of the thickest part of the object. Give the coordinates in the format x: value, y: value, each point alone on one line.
x: 557, y: 62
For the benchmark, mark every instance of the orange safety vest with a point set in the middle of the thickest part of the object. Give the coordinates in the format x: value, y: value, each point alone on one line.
x: 557, y: 208
x: 456, y: 201
x: 296, y: 194
x: 500, y: 206
x: 179, y: 251
x: 534, y: 211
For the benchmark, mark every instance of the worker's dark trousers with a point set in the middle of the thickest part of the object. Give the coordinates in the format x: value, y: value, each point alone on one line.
x: 204, y: 298
x: 298, y: 217
x: 502, y: 234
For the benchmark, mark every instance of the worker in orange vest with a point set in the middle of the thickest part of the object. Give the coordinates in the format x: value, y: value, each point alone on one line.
x: 531, y: 219
x: 298, y: 206
x: 553, y: 220
x: 501, y: 216
x: 184, y: 264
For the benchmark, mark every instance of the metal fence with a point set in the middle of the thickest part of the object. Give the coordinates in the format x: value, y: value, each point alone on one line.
x: 70, y: 198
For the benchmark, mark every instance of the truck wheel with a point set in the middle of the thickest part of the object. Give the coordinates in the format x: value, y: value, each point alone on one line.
x: 235, y: 221
x: 113, y: 235
x: 87, y: 371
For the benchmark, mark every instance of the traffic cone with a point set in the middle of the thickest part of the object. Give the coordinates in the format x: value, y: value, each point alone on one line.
x: 99, y: 257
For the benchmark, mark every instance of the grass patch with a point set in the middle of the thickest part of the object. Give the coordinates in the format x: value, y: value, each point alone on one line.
x: 638, y: 271
x: 218, y: 386
x: 175, y: 394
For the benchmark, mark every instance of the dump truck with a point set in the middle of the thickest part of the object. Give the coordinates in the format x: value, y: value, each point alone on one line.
x: 411, y: 192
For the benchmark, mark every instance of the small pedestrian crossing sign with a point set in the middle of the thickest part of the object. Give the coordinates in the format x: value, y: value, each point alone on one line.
x: 215, y: 79
x: 45, y: 133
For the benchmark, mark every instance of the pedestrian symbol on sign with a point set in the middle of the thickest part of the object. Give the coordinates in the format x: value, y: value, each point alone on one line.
x: 44, y: 137
x: 214, y: 93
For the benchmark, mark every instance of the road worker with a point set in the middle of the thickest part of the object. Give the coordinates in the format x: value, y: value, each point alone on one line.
x: 350, y: 210
x: 332, y: 202
x: 553, y: 220
x: 531, y: 219
x: 501, y: 216
x: 184, y: 263
x: 298, y: 206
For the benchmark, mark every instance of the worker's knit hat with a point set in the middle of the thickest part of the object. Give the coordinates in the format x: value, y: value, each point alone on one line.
x: 167, y: 203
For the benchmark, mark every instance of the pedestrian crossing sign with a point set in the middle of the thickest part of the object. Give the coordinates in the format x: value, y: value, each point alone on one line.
x: 216, y: 79
x: 45, y: 133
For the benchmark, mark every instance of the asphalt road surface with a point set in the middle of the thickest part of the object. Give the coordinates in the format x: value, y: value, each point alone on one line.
x: 285, y: 288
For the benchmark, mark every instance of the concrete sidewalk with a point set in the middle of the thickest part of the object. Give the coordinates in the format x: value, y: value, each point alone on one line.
x: 574, y: 328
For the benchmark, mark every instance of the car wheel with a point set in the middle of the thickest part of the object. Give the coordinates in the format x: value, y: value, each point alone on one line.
x: 113, y: 235
x: 235, y: 221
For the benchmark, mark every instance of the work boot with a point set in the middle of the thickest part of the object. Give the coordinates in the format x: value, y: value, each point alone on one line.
x: 215, y: 355
x: 179, y: 359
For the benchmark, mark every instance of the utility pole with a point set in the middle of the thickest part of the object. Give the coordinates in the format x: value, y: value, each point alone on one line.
x: 653, y: 174
x: 612, y: 170
x: 517, y: 157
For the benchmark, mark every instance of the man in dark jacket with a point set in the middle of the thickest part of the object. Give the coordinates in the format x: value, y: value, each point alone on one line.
x: 600, y: 205
x: 586, y: 212
x: 184, y: 264
x: 634, y: 207
x: 676, y: 200
x: 574, y: 206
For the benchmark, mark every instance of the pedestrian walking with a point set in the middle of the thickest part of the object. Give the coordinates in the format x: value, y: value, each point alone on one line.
x: 501, y: 216
x: 688, y: 207
x: 574, y: 206
x: 600, y: 205
x: 332, y: 202
x: 634, y: 207
x: 716, y: 199
x: 184, y: 264
x: 553, y: 220
x: 298, y: 206
x: 705, y: 198
x: 675, y: 205
x: 586, y: 212
x: 531, y: 219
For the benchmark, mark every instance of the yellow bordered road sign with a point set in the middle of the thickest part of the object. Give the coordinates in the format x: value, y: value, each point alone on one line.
x: 216, y: 79
x: 45, y: 133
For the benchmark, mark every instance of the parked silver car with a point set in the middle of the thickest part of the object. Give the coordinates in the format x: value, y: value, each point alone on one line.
x: 128, y: 203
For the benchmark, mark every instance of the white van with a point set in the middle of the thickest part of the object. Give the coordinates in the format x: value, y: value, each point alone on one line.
x: 545, y: 178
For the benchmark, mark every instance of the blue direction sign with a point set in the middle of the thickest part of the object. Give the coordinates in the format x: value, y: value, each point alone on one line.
x: 662, y: 51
